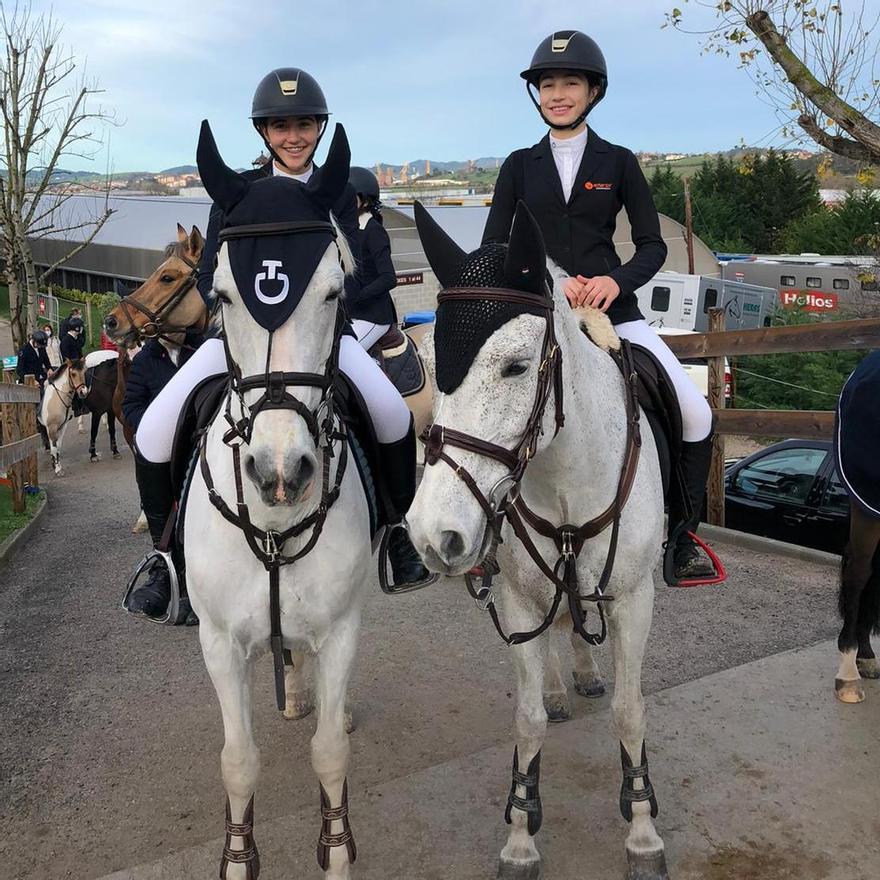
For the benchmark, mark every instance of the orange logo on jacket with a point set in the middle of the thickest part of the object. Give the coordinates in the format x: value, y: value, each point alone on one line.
x: 600, y: 186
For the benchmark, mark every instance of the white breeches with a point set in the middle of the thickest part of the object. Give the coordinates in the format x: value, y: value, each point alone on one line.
x: 368, y: 333
x: 155, y: 433
x: 696, y: 416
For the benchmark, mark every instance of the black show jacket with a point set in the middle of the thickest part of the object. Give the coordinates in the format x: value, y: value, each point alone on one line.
x: 368, y: 293
x: 32, y: 362
x: 579, y: 234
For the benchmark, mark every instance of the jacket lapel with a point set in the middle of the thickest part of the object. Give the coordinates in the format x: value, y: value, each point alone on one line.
x: 594, y: 155
x: 544, y: 159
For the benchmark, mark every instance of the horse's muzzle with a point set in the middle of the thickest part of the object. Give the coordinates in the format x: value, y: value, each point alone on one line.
x: 289, y: 484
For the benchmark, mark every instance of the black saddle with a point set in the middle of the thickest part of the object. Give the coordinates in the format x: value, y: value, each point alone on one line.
x: 400, y: 360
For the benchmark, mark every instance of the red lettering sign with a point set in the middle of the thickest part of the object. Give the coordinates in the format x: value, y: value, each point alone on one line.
x: 808, y: 300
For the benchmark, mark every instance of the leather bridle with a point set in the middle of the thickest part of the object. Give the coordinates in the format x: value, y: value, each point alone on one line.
x: 504, y: 499
x: 327, y: 430
x: 156, y: 326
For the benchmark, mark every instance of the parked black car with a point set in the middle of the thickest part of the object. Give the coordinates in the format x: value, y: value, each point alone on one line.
x: 789, y: 491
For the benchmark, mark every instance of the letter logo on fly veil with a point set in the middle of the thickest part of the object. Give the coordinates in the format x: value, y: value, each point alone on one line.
x: 270, y: 275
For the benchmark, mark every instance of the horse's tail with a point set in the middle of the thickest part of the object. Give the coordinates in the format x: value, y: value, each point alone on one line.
x: 871, y: 594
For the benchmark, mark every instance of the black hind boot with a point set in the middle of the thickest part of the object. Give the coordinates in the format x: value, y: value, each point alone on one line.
x: 684, y: 516
x: 399, y: 472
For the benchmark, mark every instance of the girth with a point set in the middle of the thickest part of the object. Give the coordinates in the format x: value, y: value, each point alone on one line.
x: 504, y: 499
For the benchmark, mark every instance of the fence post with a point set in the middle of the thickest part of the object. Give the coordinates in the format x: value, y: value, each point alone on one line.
x: 9, y: 413
x: 715, y: 488
x: 29, y: 428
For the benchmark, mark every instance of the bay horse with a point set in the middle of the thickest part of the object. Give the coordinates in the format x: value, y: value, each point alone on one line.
x: 56, y: 409
x: 857, y: 427
x: 95, y: 379
x: 276, y: 523
x: 518, y: 446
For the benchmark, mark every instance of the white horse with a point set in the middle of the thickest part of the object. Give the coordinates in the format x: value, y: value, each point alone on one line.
x: 283, y: 476
x: 572, y: 476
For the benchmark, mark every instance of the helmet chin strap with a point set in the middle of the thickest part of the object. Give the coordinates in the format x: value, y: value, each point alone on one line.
x: 275, y: 155
x: 568, y: 126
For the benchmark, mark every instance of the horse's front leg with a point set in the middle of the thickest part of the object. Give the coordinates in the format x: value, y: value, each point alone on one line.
x: 230, y: 671
x: 520, y: 859
x: 556, y: 700
x: 93, y: 438
x: 629, y: 620
x: 330, y: 748
x: 297, y: 687
x: 111, y: 430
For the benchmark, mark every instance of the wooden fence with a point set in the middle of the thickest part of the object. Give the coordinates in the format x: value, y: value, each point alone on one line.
x: 718, y: 344
x: 20, y: 440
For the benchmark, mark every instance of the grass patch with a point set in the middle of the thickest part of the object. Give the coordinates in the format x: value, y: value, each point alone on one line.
x: 11, y: 522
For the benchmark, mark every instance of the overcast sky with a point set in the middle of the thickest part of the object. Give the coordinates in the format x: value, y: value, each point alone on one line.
x: 437, y: 80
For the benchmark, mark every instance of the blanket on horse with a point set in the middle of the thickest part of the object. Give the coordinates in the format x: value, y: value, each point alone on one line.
x: 857, y: 435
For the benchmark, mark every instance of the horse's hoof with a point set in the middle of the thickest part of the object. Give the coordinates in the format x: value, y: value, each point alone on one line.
x: 557, y: 707
x: 300, y: 706
x: 868, y: 667
x: 94, y: 458
x: 511, y: 869
x: 849, y: 691
x: 588, y: 685
x: 646, y: 866
x: 117, y: 453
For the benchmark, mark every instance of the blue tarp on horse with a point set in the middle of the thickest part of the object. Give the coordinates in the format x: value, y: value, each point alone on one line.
x: 857, y: 435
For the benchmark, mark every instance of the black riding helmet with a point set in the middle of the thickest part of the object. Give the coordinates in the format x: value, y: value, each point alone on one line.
x: 364, y: 182
x: 568, y: 50
x: 288, y: 91
x: 40, y: 338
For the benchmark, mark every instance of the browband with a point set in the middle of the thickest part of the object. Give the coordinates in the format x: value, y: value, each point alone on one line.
x: 515, y: 297
x: 252, y: 230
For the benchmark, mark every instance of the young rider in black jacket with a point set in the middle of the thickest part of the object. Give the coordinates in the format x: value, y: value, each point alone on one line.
x: 290, y: 114
x: 575, y: 183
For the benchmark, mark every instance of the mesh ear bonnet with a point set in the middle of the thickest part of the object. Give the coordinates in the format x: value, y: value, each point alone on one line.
x: 464, y: 325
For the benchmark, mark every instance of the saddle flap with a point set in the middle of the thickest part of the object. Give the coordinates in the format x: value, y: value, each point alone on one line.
x: 403, y: 366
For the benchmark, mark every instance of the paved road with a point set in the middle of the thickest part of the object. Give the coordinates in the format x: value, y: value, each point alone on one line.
x: 110, y: 733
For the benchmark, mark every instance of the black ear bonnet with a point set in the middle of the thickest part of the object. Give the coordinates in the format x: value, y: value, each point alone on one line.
x: 277, y: 229
x: 463, y: 325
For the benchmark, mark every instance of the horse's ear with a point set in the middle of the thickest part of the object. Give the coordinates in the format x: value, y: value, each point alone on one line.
x: 444, y: 255
x: 328, y: 183
x: 181, y: 233
x: 195, y: 243
x: 225, y: 186
x: 526, y: 263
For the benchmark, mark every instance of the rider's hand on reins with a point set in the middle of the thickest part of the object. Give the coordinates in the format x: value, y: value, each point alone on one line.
x: 598, y: 292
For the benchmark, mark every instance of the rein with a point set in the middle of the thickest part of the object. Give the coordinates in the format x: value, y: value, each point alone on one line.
x: 156, y: 328
x: 504, y: 499
x: 326, y: 429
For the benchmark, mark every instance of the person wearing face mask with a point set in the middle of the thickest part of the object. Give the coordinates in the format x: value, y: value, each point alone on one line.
x: 290, y: 114
x: 575, y: 183
x: 53, y: 347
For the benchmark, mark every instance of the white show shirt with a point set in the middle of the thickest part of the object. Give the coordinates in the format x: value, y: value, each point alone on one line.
x: 567, y: 155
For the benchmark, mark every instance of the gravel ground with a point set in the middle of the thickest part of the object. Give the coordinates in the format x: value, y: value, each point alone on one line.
x: 110, y: 733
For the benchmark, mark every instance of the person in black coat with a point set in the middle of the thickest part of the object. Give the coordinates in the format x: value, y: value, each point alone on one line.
x: 33, y: 359
x: 575, y: 184
x: 73, y: 341
x: 368, y: 294
x: 151, y: 371
x: 65, y: 324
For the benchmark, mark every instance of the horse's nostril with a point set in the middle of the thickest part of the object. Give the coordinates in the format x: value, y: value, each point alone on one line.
x: 305, y: 471
x: 250, y: 467
x: 451, y: 545
x: 110, y: 323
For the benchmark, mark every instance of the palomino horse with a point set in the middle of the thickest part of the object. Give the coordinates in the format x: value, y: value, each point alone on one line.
x: 56, y: 410
x: 276, y: 527
x: 855, y: 447
x: 517, y: 447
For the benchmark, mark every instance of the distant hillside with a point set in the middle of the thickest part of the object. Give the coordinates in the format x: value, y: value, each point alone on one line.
x: 178, y: 170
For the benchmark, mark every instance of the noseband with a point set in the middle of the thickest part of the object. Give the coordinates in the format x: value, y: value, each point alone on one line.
x: 504, y: 499
x: 156, y: 328
x: 324, y: 427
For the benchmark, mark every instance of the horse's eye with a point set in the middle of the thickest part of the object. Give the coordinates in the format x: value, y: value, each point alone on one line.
x: 517, y: 368
x: 222, y: 297
x: 167, y: 279
x: 334, y: 294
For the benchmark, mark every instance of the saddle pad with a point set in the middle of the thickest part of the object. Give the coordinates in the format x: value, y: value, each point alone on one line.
x: 405, y: 370
x: 857, y: 435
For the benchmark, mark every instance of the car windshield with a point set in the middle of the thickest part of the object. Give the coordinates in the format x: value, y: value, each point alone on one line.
x: 787, y: 474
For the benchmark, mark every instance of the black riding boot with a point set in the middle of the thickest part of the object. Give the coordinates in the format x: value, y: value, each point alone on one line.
x: 157, y: 499
x: 695, y: 461
x: 399, y: 471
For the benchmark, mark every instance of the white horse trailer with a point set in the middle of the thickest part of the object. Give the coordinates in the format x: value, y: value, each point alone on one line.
x: 678, y: 300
